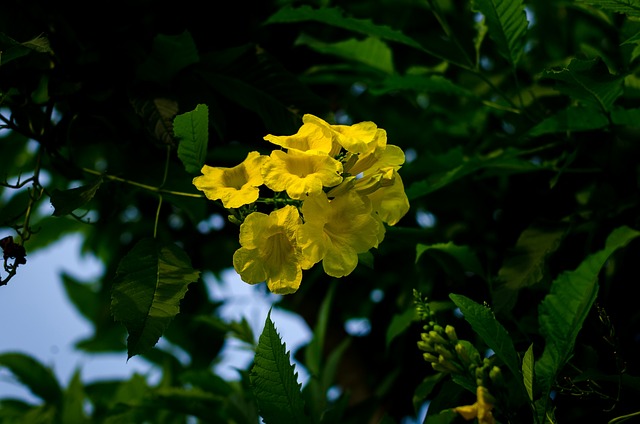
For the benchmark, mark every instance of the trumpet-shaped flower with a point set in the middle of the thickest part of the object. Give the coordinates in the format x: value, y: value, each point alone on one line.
x: 301, y: 173
x: 235, y: 186
x: 357, y: 138
x: 336, y: 230
x: 269, y: 250
x: 310, y: 137
x: 480, y: 410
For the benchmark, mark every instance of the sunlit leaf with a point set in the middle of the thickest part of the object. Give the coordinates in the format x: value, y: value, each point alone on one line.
x: 39, y: 379
x: 507, y: 24
x: 527, y: 371
x: 370, y: 51
x: 67, y: 201
x: 564, y: 309
x: 149, y: 284
x: 192, y: 129
x: 274, y: 380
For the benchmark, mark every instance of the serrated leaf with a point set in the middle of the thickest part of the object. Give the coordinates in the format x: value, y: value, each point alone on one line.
x: 507, y: 25
x: 588, y: 81
x: 462, y: 254
x: 371, y: 51
x: 572, y: 119
x: 67, y: 201
x: 192, y: 129
x: 274, y: 380
x: 628, y: 7
x: 150, y: 282
x: 563, y: 311
x: 39, y: 379
x: 524, y: 264
x: 485, y: 324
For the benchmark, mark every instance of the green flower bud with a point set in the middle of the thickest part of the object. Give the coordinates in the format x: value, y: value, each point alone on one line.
x: 443, y: 351
x: 496, y: 375
x: 450, y: 331
x: 437, y: 338
x: 429, y: 357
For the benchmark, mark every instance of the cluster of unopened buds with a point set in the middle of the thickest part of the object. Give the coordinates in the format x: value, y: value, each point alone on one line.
x: 332, y: 189
x: 450, y: 355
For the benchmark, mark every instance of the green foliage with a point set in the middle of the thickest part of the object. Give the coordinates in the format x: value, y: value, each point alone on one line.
x: 519, y: 122
x: 192, y: 129
x: 150, y: 282
x: 274, y: 380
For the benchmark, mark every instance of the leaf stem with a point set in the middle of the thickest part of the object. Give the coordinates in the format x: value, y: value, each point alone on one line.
x: 140, y: 185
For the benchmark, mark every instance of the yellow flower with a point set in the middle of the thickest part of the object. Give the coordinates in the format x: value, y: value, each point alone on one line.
x: 480, y: 410
x: 235, y: 186
x: 335, y: 231
x: 390, y: 202
x: 269, y: 251
x: 301, y: 173
x: 357, y: 138
x: 310, y: 137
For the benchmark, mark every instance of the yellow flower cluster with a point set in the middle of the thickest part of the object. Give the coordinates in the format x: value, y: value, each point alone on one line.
x: 342, y: 185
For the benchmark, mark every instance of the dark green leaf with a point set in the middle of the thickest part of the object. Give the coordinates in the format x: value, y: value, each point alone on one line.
x: 274, y: 380
x: 419, y: 84
x: 628, y: 117
x: 39, y: 379
x: 589, y: 81
x: 527, y: 371
x: 507, y: 24
x: 627, y: 7
x: 485, y: 324
x: 399, y: 323
x: 462, y: 254
x: 74, y: 401
x: 67, y: 201
x: 564, y: 309
x: 149, y: 284
x: 170, y: 54
x: 83, y: 296
x: 192, y: 129
x: 335, y: 17
x: 524, y: 265
x: 574, y: 118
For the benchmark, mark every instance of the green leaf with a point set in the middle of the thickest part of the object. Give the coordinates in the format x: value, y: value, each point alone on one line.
x: 524, y: 264
x: 574, y: 118
x: 315, y: 349
x: 399, y: 323
x: 507, y: 23
x: 335, y: 17
x: 527, y: 371
x: 274, y: 380
x: 629, y: 117
x: 67, y: 201
x: 169, y: 55
x: 589, y: 81
x: 192, y: 129
x: 462, y: 254
x: 485, y: 324
x: 628, y: 7
x: 505, y: 160
x: 371, y: 51
x: 419, y: 84
x: 73, y: 403
x: 149, y: 284
x: 563, y: 311
x: 83, y: 296
x: 39, y: 379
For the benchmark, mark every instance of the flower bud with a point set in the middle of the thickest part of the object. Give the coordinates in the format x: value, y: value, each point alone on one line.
x: 450, y: 331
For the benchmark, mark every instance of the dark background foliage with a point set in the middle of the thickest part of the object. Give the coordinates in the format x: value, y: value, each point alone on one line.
x: 91, y: 102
